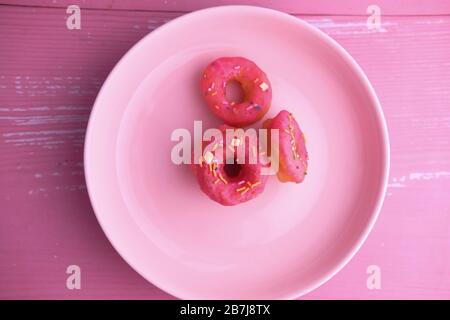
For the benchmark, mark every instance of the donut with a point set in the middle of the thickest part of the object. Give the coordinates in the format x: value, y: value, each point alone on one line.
x: 228, y: 184
x: 293, y: 157
x: 257, y: 91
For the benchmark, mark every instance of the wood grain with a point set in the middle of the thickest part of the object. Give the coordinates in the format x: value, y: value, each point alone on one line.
x: 50, y: 76
x: 317, y: 7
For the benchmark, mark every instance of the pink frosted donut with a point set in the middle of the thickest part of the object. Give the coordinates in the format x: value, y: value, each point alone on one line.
x: 228, y: 184
x: 292, y: 150
x: 254, y: 83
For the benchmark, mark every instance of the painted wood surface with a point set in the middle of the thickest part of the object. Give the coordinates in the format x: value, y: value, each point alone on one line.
x: 50, y: 76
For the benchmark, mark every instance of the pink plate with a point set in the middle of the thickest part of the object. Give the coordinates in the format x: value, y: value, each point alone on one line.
x: 292, y: 238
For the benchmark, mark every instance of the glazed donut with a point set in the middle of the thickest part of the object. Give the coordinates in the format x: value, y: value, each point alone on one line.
x: 293, y: 157
x: 255, y: 86
x: 228, y: 184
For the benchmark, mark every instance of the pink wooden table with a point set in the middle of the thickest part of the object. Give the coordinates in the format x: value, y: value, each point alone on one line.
x: 50, y: 76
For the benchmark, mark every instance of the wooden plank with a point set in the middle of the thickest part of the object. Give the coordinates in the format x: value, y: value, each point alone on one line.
x: 49, y: 78
x: 318, y: 7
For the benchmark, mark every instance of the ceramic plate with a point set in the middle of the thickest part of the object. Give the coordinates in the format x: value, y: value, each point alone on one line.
x: 289, y: 240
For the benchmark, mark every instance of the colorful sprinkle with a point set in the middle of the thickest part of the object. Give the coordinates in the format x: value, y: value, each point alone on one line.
x: 295, y: 154
x: 208, y: 157
x: 256, y: 184
x: 264, y: 86
x: 245, y: 191
x: 235, y: 142
x: 222, y: 178
x: 254, y: 152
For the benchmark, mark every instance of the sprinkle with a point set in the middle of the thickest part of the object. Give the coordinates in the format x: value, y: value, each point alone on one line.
x: 217, y: 107
x: 235, y: 142
x: 254, y: 153
x: 210, y: 167
x: 256, y: 80
x: 214, y: 168
x: 242, y: 188
x: 249, y: 107
x: 217, y: 181
x: 204, y: 75
x: 236, y: 67
x: 222, y: 178
x: 256, y: 184
x: 295, y: 154
x: 245, y: 191
x: 208, y: 157
x: 232, y: 103
x: 257, y: 107
x: 264, y: 86
x: 213, y: 94
x: 241, y: 182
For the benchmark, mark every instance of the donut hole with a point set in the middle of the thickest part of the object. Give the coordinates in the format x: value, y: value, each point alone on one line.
x: 234, y: 92
x: 232, y: 170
